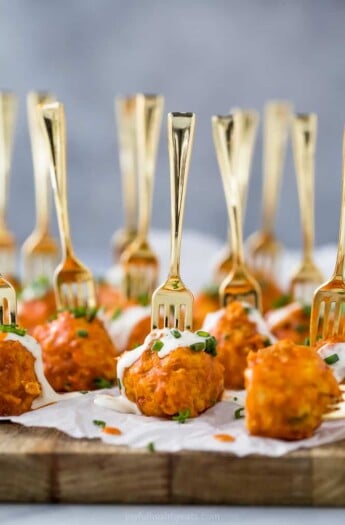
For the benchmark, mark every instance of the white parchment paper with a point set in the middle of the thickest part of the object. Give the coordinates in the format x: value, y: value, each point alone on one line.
x: 75, y: 416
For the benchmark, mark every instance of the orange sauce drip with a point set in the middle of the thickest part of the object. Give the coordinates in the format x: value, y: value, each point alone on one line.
x: 112, y: 430
x: 224, y: 437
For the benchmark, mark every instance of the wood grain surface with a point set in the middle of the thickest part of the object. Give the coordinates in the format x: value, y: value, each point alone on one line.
x: 45, y: 465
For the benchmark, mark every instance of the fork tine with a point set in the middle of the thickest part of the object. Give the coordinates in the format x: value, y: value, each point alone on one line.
x: 336, y: 319
x: 327, y: 309
x: 314, y: 319
x: 177, y: 316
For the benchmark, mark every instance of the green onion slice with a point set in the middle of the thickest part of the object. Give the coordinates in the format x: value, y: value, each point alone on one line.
x: 331, y: 359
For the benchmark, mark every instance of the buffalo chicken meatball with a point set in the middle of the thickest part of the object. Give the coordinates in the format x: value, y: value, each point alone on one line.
x: 288, y: 390
x: 290, y: 322
x: 77, y: 351
x: 238, y: 329
x: 172, y: 373
x: 19, y: 385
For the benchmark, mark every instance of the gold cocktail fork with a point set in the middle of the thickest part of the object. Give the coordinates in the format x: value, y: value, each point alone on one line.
x: 73, y: 282
x: 125, y: 114
x: 263, y: 248
x: 308, y: 276
x: 139, y: 262
x: 8, y: 110
x: 172, y: 301
x: 8, y: 302
x: 239, y: 285
x: 246, y: 129
x: 40, y: 250
x: 328, y: 307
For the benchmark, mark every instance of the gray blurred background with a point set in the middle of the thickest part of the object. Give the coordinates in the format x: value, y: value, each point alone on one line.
x: 204, y: 56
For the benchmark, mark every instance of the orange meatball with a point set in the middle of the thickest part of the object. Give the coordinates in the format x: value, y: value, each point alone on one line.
x: 236, y: 336
x: 77, y: 352
x: 207, y: 301
x: 290, y: 322
x: 183, y: 380
x: 288, y: 389
x: 36, y: 311
x: 18, y: 382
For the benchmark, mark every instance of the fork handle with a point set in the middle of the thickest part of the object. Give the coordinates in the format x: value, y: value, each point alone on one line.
x: 224, y: 136
x: 339, y: 271
x: 276, y: 121
x: 55, y: 128
x: 125, y: 113
x: 250, y: 121
x: 39, y: 159
x: 149, y: 110
x: 8, y: 110
x: 304, y: 131
x: 181, y: 128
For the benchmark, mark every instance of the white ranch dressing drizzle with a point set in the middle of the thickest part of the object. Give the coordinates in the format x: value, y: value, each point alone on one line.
x: 253, y: 315
x: 120, y: 328
x: 338, y: 368
x: 170, y: 342
x: 275, y: 317
x: 48, y: 394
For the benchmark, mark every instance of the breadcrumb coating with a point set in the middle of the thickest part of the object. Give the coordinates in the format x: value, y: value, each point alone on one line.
x: 288, y: 390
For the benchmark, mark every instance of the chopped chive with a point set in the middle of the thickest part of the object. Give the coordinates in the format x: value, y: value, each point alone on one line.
x: 175, y: 284
x: 267, y: 342
x: 239, y: 413
x: 151, y: 447
x: 119, y: 383
x: 307, y: 341
x: 99, y: 423
x: 83, y: 392
x: 12, y: 329
x: 82, y: 333
x: 283, y: 300
x: 176, y: 333
x: 301, y: 328
x: 211, y: 346
x: 331, y: 359
x: 116, y: 314
x: 157, y: 346
x: 197, y: 347
x: 182, y: 416
x: 91, y: 314
x: 235, y: 398
x: 306, y: 309
x: 143, y: 299
x: 79, y: 312
x: 101, y: 382
x: 202, y: 333
x: 247, y: 309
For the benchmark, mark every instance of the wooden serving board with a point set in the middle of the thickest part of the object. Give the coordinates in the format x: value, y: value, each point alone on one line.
x: 44, y: 465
